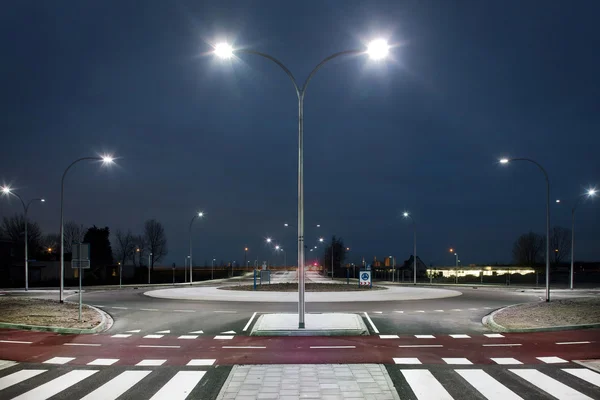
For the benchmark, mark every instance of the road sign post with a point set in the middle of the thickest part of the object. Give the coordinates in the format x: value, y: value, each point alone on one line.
x: 365, y: 279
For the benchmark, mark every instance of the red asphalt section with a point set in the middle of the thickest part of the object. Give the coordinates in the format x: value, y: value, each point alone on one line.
x: 297, y: 350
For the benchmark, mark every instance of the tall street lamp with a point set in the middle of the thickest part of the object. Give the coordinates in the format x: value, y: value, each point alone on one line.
x: 377, y: 50
x: 590, y: 193
x: 149, y: 261
x: 198, y: 215
x: 506, y: 161
x: 8, y: 191
x: 407, y: 215
x: 245, y: 257
x: 279, y: 248
x: 106, y: 160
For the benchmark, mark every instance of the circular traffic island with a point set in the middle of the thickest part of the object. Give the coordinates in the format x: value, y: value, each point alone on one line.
x: 308, y: 287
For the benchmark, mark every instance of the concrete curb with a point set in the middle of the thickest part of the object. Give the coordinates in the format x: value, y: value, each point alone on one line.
x: 489, y: 322
x: 104, y: 324
x: 359, y: 330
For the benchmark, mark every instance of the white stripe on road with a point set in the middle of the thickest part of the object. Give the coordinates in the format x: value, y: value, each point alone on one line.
x: 457, y: 361
x: 399, y: 312
x: 180, y: 386
x: 184, y: 310
x: 573, y: 342
x: 117, y: 386
x: 150, y: 363
x: 83, y: 344
x: 103, y: 361
x: 201, y: 362
x: 389, y: 337
x: 150, y: 346
x: 549, y: 385
x: 148, y: 309
x: 493, y: 335
x: 152, y: 336
x: 438, y: 310
x: 371, y: 322
x: 585, y: 374
x: 188, y: 337
x: 121, y: 335
x: 59, y: 360
x: 460, y: 336
x: 424, y: 385
x: 167, y: 331
x: 19, y: 376
x: 249, y: 322
x: 119, y: 308
x: 425, y: 336
x: 420, y: 311
x: 243, y: 347
x: 456, y: 309
x: 332, y: 347
x: 473, y: 309
x: 506, y: 361
x: 552, y: 360
x: 226, y: 311
x: 421, y: 345
x: 490, y: 388
x: 135, y: 331
x: 502, y: 345
x: 407, y: 360
x: 14, y: 342
x: 57, y: 385
x: 224, y: 337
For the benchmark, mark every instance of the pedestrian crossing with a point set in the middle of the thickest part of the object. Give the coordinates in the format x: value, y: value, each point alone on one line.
x: 496, y: 383
x: 110, y: 383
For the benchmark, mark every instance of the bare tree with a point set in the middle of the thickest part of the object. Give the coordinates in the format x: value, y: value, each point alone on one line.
x: 125, y: 246
x: 140, y: 248
x: 560, y: 244
x: 154, y: 233
x: 527, y: 250
x: 13, y: 228
x: 73, y: 233
x: 51, y: 242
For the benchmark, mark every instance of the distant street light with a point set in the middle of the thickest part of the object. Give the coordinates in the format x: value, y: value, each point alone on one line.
x: 407, y: 215
x: 590, y: 193
x: 106, y: 160
x: 198, y: 215
x: 279, y: 248
x: 506, y: 161
x: 6, y: 190
x: 377, y: 50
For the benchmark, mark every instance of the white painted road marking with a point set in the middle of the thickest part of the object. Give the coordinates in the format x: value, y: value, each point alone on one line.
x: 226, y: 312
x: 457, y: 361
x: 121, y: 335
x: 419, y: 311
x: 19, y: 376
x: 151, y: 346
x: 552, y: 360
x: 407, y: 360
x: 59, y: 360
x: 493, y: 335
x: 14, y: 342
x: 456, y: 309
x: 134, y: 331
x: 188, y: 337
x: 490, y: 388
x: 224, y: 337
x: 180, y: 386
x: 424, y: 385
x: 399, y: 312
x: 371, y: 322
x: 377, y: 312
x: 197, y: 332
x: 228, y: 333
x: 332, y: 347
x: 549, y: 385
x: 425, y: 336
x: 184, y: 310
x: 83, y: 344
x: 148, y: 309
x: 243, y: 347
x: 502, y: 345
x: 167, y: 331
x: 153, y: 336
x: 585, y: 374
x: 117, y: 386
x: 201, y: 362
x: 249, y: 322
x: 438, y: 310
x: 103, y: 361
x: 506, y: 361
x: 460, y: 336
x: 150, y: 363
x: 57, y: 385
x: 388, y: 337
x: 573, y: 342
x: 421, y: 345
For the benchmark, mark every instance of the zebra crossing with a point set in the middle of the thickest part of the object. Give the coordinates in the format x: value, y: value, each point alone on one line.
x: 41, y: 382
x: 496, y: 383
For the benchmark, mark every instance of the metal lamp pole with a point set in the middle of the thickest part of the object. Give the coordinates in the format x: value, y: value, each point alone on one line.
x: 149, y: 258
x: 377, y: 49
x: 506, y: 161
x: 105, y: 160
x: 407, y: 215
x: 7, y: 190
x: 200, y: 214
x: 590, y: 193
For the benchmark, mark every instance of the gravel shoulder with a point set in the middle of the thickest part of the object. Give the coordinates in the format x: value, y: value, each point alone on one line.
x: 563, y: 312
x: 309, y: 287
x: 42, y: 312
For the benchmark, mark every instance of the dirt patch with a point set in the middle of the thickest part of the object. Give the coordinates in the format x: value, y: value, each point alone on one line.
x: 40, y: 312
x: 309, y: 287
x: 562, y: 312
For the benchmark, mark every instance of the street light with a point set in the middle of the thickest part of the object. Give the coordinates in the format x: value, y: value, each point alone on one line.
x: 279, y: 248
x: 149, y: 260
x: 106, y: 160
x: 407, y: 215
x: 506, y: 161
x: 590, y: 193
x: 377, y: 50
x: 198, y: 215
x: 6, y: 190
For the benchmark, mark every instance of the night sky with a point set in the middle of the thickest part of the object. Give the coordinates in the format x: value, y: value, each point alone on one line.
x: 467, y: 82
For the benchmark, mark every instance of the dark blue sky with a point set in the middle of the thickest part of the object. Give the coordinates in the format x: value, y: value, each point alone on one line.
x: 467, y: 83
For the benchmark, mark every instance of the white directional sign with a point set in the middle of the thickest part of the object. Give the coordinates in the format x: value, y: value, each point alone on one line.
x: 365, y: 278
